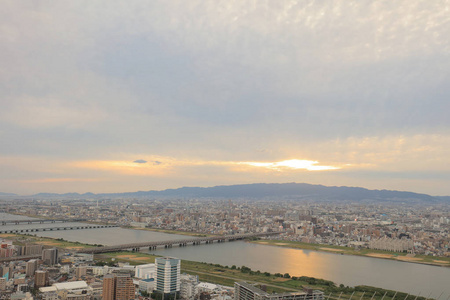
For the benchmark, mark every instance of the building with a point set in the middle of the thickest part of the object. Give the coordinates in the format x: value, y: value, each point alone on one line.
x: 80, y: 271
x: 246, y: 291
x: 74, y: 290
x: 2, y: 284
x: 145, y: 271
x: 29, y: 249
x: 118, y: 287
x: 168, y: 276
x: 188, y: 288
x: 109, y: 287
x: 50, y: 256
x: 40, y: 279
x: 147, y: 285
x: 390, y: 244
x: 5, y: 272
x: 31, y: 267
x: 124, y: 288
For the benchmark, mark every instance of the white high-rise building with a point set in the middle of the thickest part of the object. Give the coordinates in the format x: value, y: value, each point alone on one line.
x: 168, y: 275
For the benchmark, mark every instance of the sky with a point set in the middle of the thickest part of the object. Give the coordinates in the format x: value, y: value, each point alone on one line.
x: 121, y: 96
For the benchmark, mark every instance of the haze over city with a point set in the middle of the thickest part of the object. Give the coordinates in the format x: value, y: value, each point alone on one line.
x: 113, y: 96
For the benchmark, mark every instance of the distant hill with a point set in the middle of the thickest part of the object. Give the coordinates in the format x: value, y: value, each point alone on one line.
x: 7, y: 194
x: 270, y: 190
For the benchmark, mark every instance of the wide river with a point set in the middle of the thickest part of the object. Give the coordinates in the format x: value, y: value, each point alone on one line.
x: 349, y: 270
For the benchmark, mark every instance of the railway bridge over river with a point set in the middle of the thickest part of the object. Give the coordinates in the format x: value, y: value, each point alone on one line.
x: 181, y: 243
x: 71, y: 227
x: 40, y: 221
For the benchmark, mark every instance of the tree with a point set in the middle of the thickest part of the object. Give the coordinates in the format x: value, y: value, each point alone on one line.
x: 245, y: 269
x: 286, y: 275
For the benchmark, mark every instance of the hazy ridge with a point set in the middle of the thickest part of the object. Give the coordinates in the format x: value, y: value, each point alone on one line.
x: 264, y: 190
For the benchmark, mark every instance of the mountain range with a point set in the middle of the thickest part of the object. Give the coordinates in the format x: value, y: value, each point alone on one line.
x: 266, y: 190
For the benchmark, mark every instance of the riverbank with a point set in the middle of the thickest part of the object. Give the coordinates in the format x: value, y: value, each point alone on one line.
x: 398, y: 256
x: 22, y: 239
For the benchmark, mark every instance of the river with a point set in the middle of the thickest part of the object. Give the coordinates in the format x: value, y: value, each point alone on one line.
x: 348, y: 270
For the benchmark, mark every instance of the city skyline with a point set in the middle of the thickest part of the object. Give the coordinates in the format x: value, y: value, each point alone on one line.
x: 110, y: 97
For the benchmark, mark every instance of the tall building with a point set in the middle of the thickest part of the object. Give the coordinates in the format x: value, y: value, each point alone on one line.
x: 40, y: 279
x: 168, y: 275
x: 109, y: 287
x: 31, y: 266
x: 118, y: 287
x: 50, y: 256
x: 124, y: 288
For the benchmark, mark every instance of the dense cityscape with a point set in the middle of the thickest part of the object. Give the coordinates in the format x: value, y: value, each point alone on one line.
x: 345, y: 224
x: 66, y: 273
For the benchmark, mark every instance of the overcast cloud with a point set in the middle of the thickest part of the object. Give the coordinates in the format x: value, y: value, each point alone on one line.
x: 200, y: 88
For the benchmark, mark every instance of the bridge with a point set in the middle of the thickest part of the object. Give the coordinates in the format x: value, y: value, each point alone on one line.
x: 40, y: 221
x: 18, y: 258
x: 75, y: 227
x: 181, y: 243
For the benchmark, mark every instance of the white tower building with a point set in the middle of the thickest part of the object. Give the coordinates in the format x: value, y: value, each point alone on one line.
x: 168, y: 275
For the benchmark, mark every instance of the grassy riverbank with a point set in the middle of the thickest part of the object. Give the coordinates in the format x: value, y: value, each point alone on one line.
x: 227, y: 275
x: 399, y: 256
x: 22, y: 239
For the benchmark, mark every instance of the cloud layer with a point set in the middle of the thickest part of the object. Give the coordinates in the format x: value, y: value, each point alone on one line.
x: 358, y: 85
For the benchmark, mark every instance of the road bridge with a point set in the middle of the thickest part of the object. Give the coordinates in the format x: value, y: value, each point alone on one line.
x: 39, y: 221
x: 72, y: 227
x: 181, y: 243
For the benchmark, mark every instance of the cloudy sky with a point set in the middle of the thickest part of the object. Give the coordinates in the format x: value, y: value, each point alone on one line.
x: 115, y: 96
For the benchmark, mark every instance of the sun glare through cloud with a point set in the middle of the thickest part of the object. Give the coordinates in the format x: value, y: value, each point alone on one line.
x: 309, y: 165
